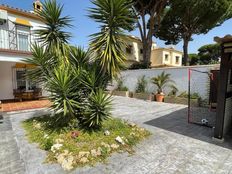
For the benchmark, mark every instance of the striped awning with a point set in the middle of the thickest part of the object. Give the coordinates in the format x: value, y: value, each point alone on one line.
x: 23, y: 65
x: 23, y: 22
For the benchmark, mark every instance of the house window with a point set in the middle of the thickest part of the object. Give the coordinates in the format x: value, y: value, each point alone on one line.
x: 141, y: 51
x: 129, y: 49
x: 23, y: 37
x: 21, y: 80
x: 177, y: 59
x: 22, y: 83
x: 166, y: 57
x: 23, y: 41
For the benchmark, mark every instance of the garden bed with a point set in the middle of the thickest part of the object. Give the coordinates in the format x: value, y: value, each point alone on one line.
x: 122, y: 93
x: 143, y: 96
x: 182, y: 100
x: 119, y: 93
x: 73, y: 148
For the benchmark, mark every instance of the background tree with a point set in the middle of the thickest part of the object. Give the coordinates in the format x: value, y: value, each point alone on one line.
x: 188, y: 17
x: 209, y: 54
x: 193, y: 59
x: 149, y: 13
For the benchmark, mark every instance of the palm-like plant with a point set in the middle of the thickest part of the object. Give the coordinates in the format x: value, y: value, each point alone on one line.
x: 115, y: 16
x: 53, y: 35
x: 77, y: 85
x: 162, y: 81
x: 97, y: 110
x: 52, y: 41
x: 44, y: 63
x: 63, y: 88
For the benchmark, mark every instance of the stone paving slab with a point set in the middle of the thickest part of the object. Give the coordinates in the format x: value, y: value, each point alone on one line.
x: 10, y: 160
x: 174, y: 147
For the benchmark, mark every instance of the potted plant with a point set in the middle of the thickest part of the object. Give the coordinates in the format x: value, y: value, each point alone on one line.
x: 141, y: 89
x: 162, y: 81
x: 121, y: 89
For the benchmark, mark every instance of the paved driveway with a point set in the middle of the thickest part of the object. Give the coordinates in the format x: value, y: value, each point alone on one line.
x: 174, y: 147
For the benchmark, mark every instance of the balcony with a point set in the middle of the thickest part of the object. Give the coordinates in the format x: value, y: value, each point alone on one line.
x: 18, y: 42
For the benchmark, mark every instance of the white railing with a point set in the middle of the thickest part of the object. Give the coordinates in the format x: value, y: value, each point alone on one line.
x: 16, y: 40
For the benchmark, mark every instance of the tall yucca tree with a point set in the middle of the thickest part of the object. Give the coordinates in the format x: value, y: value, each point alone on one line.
x: 53, y: 35
x: 114, y: 16
x: 51, y: 49
x: 44, y: 62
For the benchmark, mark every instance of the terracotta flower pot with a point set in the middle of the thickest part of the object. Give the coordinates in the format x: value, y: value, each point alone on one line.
x: 159, y: 97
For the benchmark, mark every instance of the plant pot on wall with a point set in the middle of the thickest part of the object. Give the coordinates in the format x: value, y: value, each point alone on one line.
x: 129, y: 94
x: 159, y: 97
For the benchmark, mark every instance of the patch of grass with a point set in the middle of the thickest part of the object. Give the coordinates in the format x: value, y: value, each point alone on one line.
x: 40, y: 130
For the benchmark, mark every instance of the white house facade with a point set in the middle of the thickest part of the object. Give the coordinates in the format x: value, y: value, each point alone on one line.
x: 16, y: 37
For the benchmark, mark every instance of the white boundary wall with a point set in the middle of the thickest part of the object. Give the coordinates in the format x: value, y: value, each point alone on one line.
x: 178, y: 74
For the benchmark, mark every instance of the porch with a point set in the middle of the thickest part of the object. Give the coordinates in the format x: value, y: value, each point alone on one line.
x: 24, y: 105
x: 15, y: 85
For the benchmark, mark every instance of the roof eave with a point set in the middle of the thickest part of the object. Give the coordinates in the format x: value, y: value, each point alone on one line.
x: 20, y: 12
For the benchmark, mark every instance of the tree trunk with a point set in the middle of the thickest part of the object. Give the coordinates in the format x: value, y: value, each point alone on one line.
x: 147, y: 51
x: 147, y: 43
x: 185, y: 49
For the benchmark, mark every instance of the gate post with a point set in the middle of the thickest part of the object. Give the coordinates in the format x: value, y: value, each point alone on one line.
x: 225, y: 66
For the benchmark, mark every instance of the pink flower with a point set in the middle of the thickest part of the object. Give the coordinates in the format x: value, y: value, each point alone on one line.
x: 75, y: 134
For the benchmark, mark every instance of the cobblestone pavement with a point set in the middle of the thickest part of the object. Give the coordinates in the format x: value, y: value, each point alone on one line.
x: 174, y: 147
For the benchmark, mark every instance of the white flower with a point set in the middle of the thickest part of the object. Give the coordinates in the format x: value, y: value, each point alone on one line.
x: 56, y: 147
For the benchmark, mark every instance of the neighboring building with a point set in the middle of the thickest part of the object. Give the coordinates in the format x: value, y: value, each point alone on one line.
x: 16, y: 36
x: 166, y: 57
x: 134, y: 50
x: 159, y: 56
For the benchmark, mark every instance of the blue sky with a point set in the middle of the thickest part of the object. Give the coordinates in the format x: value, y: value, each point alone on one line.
x: 83, y: 26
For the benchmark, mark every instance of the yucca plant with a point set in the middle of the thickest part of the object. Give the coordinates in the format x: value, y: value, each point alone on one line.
x: 44, y: 62
x: 75, y: 78
x: 53, y: 34
x: 97, y: 109
x: 63, y: 87
x: 114, y: 17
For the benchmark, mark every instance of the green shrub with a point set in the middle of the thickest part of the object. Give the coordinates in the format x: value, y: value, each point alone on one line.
x: 47, y: 144
x: 173, y: 91
x: 138, y: 65
x: 192, y: 96
x: 141, y: 85
x: 120, y: 85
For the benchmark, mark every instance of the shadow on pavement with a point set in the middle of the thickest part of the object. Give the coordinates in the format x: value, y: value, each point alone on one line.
x: 177, y: 122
